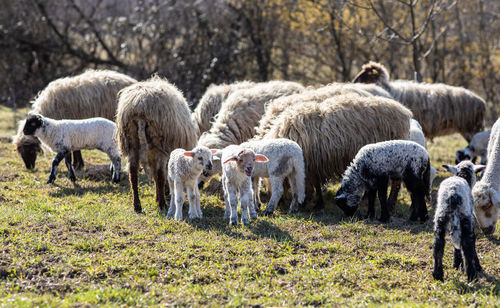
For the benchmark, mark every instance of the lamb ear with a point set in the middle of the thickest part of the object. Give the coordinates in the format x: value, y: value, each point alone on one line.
x: 479, y: 168
x: 214, y: 151
x: 341, y: 196
x: 230, y: 159
x: 261, y: 158
x: 451, y: 169
x: 189, y: 153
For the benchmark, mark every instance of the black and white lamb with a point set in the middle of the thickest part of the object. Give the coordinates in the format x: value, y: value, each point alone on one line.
x: 454, y: 214
x: 184, y: 169
x: 374, y: 165
x: 477, y: 146
x: 66, y: 136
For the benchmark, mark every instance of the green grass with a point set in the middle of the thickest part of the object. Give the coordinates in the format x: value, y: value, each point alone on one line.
x: 67, y: 245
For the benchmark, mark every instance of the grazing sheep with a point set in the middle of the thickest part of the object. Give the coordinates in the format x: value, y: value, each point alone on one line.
x: 454, y: 213
x: 184, y: 168
x: 242, y: 111
x: 376, y: 164
x: 477, y: 147
x: 237, y: 167
x: 486, y: 192
x: 153, y: 119
x: 88, y: 95
x: 64, y: 136
x: 211, y: 102
x: 440, y: 109
x: 331, y: 133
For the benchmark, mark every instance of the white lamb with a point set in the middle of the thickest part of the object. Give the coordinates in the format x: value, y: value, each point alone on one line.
x: 184, y: 168
x: 237, y: 167
x: 66, y: 136
x: 477, y: 146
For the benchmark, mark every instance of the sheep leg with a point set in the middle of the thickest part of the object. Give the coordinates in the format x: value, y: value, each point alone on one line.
x: 256, y: 193
x: 467, y: 243
x: 393, y: 196
x: 55, y: 163
x: 227, y: 210
x: 193, y: 207
x: 116, y: 164
x: 371, y: 194
x: 477, y: 265
x: 319, y: 197
x: 277, y: 192
x: 251, y: 204
x: 159, y: 179
x: 232, y: 200
x: 382, y: 197
x: 439, y: 242
x: 171, y: 209
x: 179, y: 200
x: 133, y: 171
x: 78, y: 163
x: 67, y: 160
x: 458, y: 261
x: 245, y: 200
x: 294, y: 205
x: 198, y: 205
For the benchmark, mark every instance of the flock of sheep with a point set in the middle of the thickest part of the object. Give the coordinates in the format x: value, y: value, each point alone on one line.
x: 371, y: 131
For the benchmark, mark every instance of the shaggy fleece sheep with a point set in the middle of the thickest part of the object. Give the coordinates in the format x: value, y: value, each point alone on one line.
x: 153, y: 118
x: 88, y: 95
x: 440, y: 109
x: 211, y: 102
x: 331, y: 133
x: 242, y: 111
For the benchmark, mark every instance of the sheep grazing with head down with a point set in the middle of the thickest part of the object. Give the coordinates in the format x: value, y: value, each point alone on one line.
x: 440, y: 109
x: 376, y: 164
x: 330, y: 133
x: 65, y: 136
x: 153, y: 119
x: 454, y: 214
x: 486, y: 192
x: 184, y: 168
x: 237, y: 168
x: 88, y: 95
x: 211, y: 102
x: 477, y: 147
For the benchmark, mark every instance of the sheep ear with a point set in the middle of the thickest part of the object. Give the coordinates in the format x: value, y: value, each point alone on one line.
x: 261, y: 158
x: 230, y: 159
x: 341, y: 196
x: 479, y: 168
x: 189, y: 153
x: 451, y: 169
x: 214, y: 151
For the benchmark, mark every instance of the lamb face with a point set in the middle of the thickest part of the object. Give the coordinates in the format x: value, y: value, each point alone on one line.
x: 486, y: 207
x: 33, y: 122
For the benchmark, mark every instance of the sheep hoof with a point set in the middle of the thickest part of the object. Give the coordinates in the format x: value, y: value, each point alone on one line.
x: 246, y: 222
x: 51, y: 180
x: 268, y: 212
x: 438, y: 275
x: 138, y: 209
x: 72, y: 178
x: 233, y: 222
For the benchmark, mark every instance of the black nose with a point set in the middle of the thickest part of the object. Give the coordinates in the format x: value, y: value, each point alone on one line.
x: 209, y: 166
x: 489, y: 230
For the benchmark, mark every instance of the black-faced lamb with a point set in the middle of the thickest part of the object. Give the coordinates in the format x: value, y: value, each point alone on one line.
x: 477, y: 146
x: 440, y: 109
x: 237, y: 167
x: 486, y: 192
x: 88, y: 95
x: 153, y: 118
x: 376, y: 164
x: 184, y: 168
x: 65, y: 136
x: 454, y: 214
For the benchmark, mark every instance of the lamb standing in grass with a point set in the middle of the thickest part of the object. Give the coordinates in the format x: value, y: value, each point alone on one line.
x: 184, y: 168
x: 65, y: 136
x: 454, y: 213
x: 237, y: 167
x: 477, y: 147
x: 371, y: 170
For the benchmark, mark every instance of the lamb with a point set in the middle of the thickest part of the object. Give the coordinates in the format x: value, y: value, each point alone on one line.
x: 477, y: 147
x: 64, y: 136
x: 371, y: 170
x: 331, y: 133
x: 237, y: 167
x: 153, y: 118
x: 454, y: 213
x: 440, y: 109
x: 184, y: 168
x: 88, y: 95
x: 486, y: 192
x: 242, y: 111
x: 211, y: 102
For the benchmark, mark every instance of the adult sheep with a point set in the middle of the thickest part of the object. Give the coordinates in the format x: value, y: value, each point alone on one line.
x: 440, y: 109
x: 211, y: 102
x: 88, y: 95
x: 332, y: 132
x: 153, y: 118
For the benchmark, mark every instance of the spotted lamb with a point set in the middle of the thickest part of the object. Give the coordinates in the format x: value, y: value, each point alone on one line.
x: 454, y: 214
x: 66, y: 136
x: 371, y: 170
x: 477, y: 146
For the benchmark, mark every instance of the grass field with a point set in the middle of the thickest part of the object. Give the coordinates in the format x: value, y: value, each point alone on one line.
x: 67, y: 245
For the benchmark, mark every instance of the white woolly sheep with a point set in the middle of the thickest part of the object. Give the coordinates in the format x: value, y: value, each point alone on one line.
x: 454, y: 214
x: 64, y: 136
x: 184, y: 168
x: 486, y: 192
x: 153, y: 118
x: 211, y: 102
x: 332, y: 132
x: 237, y: 167
x: 88, y: 95
x: 478, y: 146
x: 236, y: 121
x: 440, y: 109
x: 376, y: 164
